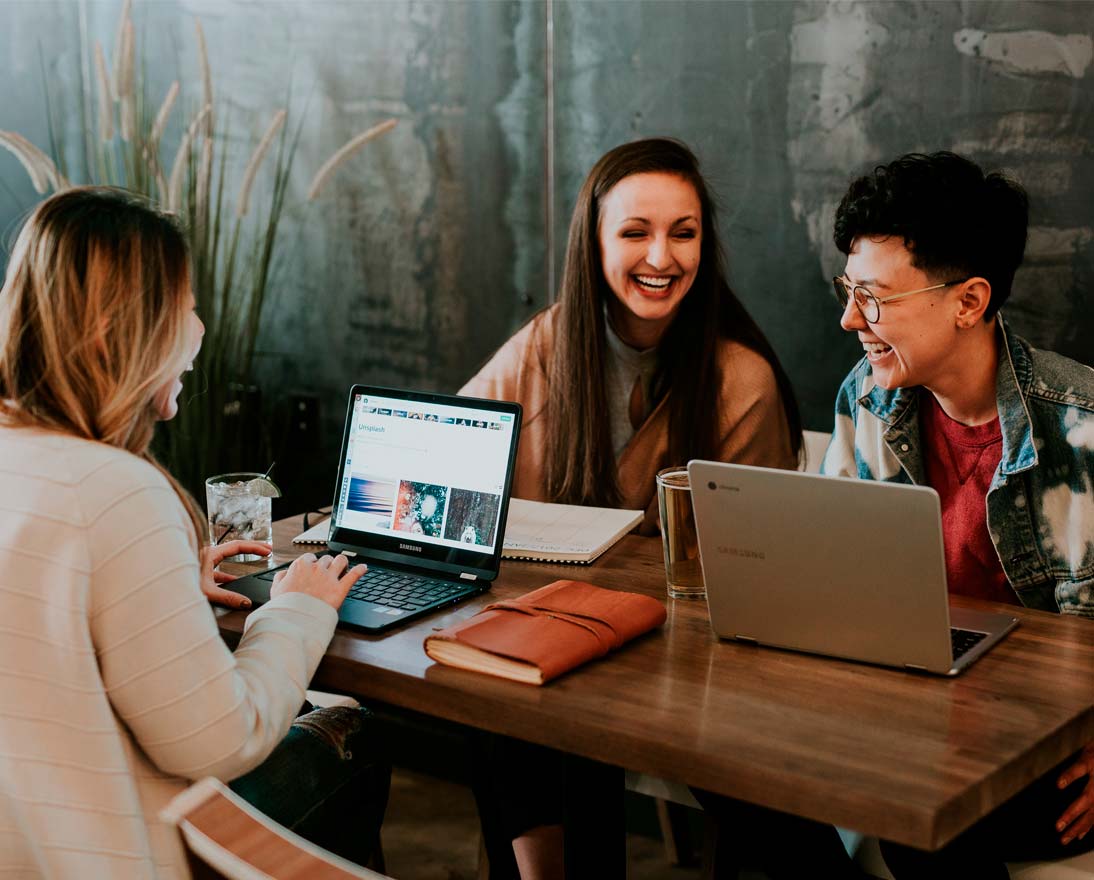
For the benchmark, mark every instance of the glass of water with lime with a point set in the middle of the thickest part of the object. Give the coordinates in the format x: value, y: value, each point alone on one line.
x: 240, y: 508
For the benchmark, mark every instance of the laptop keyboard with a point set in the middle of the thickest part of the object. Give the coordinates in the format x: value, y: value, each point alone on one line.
x: 963, y: 640
x: 397, y: 589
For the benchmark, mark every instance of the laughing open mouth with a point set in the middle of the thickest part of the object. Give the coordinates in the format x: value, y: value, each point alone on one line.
x: 652, y: 282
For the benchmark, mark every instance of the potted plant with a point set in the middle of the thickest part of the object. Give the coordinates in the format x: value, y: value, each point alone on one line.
x: 233, y: 241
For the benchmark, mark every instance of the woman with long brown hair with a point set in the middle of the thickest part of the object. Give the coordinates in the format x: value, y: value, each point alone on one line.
x: 648, y: 359
x: 116, y: 687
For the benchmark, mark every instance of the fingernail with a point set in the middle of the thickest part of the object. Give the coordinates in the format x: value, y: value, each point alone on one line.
x: 246, y: 603
x: 1059, y: 826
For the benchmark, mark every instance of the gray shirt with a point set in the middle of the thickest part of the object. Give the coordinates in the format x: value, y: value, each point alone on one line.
x: 625, y: 366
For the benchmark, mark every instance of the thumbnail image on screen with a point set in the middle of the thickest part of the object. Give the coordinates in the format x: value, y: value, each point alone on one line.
x: 420, y: 508
x: 372, y: 495
x: 472, y: 517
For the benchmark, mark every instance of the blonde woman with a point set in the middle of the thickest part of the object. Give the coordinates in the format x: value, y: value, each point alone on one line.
x: 115, y: 687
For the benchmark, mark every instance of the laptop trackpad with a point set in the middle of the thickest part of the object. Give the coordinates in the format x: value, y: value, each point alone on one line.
x: 255, y: 587
x: 368, y: 616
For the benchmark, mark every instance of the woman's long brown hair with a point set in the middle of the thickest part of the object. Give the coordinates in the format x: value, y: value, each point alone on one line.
x: 93, y: 318
x: 581, y: 467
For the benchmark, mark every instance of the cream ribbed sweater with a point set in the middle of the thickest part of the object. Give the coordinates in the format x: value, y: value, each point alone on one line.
x: 115, y: 687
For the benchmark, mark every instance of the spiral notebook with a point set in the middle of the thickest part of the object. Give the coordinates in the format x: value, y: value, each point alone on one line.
x: 317, y: 534
x: 543, y: 532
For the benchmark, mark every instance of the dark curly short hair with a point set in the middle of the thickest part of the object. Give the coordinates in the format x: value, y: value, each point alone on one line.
x: 955, y: 220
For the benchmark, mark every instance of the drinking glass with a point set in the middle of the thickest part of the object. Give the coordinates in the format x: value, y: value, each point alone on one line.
x: 683, y: 571
x: 240, y: 507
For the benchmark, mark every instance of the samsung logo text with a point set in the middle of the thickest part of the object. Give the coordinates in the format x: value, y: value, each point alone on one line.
x: 743, y: 552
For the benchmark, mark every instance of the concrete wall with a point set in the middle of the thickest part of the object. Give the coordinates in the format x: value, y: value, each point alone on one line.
x: 432, y: 247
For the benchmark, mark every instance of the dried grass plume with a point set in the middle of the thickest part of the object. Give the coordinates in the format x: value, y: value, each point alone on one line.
x: 162, y: 116
x: 151, y: 148
x: 182, y: 161
x: 16, y: 145
x: 244, y: 200
x: 106, y: 96
x: 119, y: 44
x: 206, y: 77
x: 39, y: 167
x: 354, y: 144
x: 124, y: 85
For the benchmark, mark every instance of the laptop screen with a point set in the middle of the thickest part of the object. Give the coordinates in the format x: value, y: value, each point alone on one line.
x: 425, y: 475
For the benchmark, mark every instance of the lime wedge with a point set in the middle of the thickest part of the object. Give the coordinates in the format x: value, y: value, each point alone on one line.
x: 263, y: 486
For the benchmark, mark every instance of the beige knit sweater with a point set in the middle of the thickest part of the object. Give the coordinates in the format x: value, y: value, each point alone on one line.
x: 115, y: 687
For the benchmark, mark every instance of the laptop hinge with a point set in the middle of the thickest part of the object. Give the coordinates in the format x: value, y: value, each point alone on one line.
x: 467, y: 576
x: 748, y: 640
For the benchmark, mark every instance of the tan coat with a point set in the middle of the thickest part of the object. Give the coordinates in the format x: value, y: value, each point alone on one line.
x: 751, y: 421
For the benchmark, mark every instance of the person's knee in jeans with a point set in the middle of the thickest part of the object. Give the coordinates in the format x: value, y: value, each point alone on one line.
x: 328, y: 780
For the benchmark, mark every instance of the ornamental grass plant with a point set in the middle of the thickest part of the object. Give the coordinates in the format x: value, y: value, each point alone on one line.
x: 232, y: 227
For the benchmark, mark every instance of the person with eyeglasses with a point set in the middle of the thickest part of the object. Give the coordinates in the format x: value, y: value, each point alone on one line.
x: 949, y: 397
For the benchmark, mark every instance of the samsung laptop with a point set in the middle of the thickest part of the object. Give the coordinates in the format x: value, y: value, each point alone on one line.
x: 421, y: 497
x: 842, y: 567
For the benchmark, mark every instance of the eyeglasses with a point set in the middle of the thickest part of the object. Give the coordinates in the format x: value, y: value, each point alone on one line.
x: 870, y: 305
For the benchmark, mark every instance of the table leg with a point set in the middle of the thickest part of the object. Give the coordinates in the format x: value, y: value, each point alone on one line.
x: 595, y: 829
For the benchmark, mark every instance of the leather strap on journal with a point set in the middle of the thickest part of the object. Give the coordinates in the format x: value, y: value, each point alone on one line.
x: 553, y: 629
x: 592, y: 624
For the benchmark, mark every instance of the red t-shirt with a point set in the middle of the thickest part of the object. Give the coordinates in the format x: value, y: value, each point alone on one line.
x: 960, y: 461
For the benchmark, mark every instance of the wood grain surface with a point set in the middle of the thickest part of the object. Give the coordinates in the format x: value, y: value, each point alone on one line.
x: 264, y: 847
x: 910, y: 758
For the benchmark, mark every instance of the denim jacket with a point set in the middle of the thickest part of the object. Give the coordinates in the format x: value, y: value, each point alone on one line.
x: 1040, y: 505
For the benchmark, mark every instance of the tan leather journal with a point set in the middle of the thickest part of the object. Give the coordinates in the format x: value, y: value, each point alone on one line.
x: 542, y: 634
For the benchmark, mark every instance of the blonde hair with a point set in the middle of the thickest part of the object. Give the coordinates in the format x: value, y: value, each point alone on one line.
x: 93, y: 321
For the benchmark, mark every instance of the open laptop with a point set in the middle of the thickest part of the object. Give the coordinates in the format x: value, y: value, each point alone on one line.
x: 421, y: 497
x: 843, y: 567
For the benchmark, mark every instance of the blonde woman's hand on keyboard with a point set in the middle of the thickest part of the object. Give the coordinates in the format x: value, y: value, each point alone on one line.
x: 328, y: 578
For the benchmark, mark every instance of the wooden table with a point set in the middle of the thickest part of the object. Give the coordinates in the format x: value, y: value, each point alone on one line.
x: 909, y: 758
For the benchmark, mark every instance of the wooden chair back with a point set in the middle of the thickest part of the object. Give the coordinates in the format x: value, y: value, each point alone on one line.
x: 225, y: 837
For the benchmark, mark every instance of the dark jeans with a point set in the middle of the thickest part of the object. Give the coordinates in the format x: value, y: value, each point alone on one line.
x: 1023, y: 829
x: 785, y: 847
x: 327, y: 781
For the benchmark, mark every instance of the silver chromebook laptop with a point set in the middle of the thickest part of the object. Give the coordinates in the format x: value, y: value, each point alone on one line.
x: 842, y: 567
